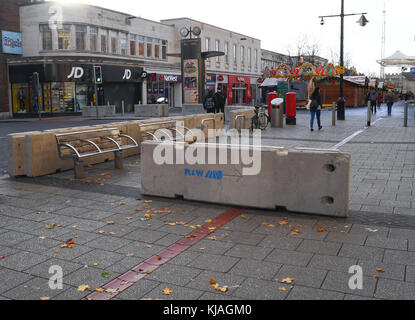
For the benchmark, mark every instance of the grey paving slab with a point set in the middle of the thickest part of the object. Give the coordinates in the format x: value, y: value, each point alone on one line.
x: 390, y: 270
x: 320, y: 247
x: 32, y: 290
x: 174, y: 274
x: 67, y: 253
x: 354, y: 238
x: 168, y: 240
x: 37, y: 245
x: 256, y: 269
x: 179, y: 293
x: 395, y: 290
x: 102, y: 258
x: 334, y: 263
x: 212, y: 246
x: 140, y: 249
x: 399, y: 257
x: 245, y: 238
x: 214, y: 262
x: 339, y: 281
x: 88, y: 276
x: 139, y: 290
x: 10, y: 279
x: 302, y: 276
x: 303, y: 293
x: 280, y: 242
x: 70, y: 294
x: 186, y: 258
x: 209, y: 296
x: 406, y: 234
x: 250, y: 252
x: 256, y: 289
x: 108, y: 243
x: 387, y: 243
x: 289, y: 257
x: 362, y: 252
x: 124, y: 265
x: 12, y: 238
x: 22, y: 261
x: 80, y: 237
x: 149, y: 236
x: 42, y: 270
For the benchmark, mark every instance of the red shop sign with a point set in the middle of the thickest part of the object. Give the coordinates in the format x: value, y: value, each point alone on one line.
x: 220, y: 78
x: 260, y: 80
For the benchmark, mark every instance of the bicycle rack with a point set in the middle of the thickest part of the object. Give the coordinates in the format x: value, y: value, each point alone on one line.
x: 206, y: 120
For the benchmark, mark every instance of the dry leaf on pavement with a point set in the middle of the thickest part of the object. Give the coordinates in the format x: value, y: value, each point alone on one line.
x: 83, y: 288
x: 45, y: 298
x: 167, y: 291
x: 287, y: 280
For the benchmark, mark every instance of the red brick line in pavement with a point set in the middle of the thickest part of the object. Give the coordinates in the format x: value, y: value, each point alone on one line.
x: 139, y: 272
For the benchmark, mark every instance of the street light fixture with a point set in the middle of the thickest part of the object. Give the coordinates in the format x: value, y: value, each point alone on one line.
x: 362, y: 22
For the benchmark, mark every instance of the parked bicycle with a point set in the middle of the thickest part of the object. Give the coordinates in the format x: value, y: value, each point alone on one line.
x: 260, y: 120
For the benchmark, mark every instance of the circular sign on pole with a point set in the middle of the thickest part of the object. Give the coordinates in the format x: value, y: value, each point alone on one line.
x: 413, y: 70
x: 277, y: 102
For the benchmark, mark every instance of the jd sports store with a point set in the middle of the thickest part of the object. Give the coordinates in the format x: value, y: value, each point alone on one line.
x: 66, y: 88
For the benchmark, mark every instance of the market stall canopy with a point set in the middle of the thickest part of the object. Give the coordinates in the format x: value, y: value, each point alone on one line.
x: 270, y: 82
x: 398, y: 59
x: 360, y: 80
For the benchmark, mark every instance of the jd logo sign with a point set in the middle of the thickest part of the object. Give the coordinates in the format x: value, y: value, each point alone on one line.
x: 127, y: 74
x: 76, y: 73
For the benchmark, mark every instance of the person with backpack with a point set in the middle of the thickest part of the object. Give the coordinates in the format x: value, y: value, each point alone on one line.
x: 390, y: 99
x: 315, y: 108
x: 373, y: 97
x: 209, y: 102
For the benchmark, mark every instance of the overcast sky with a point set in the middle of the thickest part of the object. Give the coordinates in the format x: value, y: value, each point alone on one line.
x: 279, y: 24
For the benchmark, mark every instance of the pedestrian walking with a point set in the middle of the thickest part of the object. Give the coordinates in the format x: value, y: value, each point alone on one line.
x: 315, y: 109
x: 373, y: 97
x: 219, y: 102
x: 390, y: 100
x: 209, y: 102
x: 380, y: 100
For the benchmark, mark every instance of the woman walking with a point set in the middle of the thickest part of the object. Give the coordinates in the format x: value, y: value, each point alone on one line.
x: 315, y: 109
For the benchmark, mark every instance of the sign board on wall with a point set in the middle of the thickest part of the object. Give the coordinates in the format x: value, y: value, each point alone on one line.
x: 191, y: 80
x: 11, y: 42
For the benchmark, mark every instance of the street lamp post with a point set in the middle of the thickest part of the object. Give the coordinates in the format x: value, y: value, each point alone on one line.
x: 341, y: 103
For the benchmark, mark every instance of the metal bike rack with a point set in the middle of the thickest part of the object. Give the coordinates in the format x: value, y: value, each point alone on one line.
x: 206, y: 120
x: 237, y: 121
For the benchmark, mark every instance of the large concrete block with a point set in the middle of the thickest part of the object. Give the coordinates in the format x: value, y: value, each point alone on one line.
x: 16, y: 153
x: 304, y: 181
x: 151, y: 110
x: 193, y: 109
x: 241, y: 119
x: 98, y: 111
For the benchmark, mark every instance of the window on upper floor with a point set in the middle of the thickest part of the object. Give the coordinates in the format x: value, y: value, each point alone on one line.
x: 46, y: 34
x: 242, y: 55
x: 113, y: 39
x: 249, y: 57
x: 123, y: 44
x: 104, y: 40
x: 149, y: 47
x: 133, y: 45
x: 227, y: 52
x: 235, y: 51
x: 156, y: 48
x: 64, y: 37
x: 93, y: 39
x: 164, y: 49
x: 80, y: 37
x: 217, y: 48
x: 141, y: 46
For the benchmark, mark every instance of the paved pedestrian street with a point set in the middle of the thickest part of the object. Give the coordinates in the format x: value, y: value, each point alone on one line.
x: 110, y: 242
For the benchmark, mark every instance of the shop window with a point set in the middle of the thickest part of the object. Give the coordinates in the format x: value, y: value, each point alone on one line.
x: 141, y: 46
x: 64, y: 38
x: 123, y: 43
x: 80, y: 37
x: 149, y: 47
x: 21, y: 97
x: 156, y: 49
x: 63, y: 96
x: 46, y: 34
x: 93, y: 39
x: 133, y: 45
x: 164, y: 50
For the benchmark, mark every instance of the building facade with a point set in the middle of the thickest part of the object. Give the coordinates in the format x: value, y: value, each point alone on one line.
x: 10, y: 46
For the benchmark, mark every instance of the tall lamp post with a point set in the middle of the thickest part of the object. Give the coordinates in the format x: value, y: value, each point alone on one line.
x: 341, y: 103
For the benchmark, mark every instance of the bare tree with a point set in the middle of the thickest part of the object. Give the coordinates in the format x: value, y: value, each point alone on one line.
x: 307, y: 47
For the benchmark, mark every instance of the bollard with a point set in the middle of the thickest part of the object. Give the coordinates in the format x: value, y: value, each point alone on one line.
x: 122, y: 107
x: 405, y: 119
x: 369, y: 114
x: 333, y: 109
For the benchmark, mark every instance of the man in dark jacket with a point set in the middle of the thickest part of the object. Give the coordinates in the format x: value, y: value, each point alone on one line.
x: 219, y: 101
x: 209, y: 103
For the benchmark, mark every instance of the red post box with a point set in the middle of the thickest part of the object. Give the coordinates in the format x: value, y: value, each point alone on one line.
x: 291, y: 108
x: 271, y: 96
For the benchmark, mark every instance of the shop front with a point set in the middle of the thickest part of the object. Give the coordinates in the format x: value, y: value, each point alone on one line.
x: 239, y: 90
x: 164, y: 88
x: 66, y: 88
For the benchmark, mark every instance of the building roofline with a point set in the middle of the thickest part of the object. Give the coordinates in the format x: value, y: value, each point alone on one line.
x: 211, y: 25
x: 93, y: 6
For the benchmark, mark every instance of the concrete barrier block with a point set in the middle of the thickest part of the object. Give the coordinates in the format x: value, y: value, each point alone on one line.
x: 98, y: 111
x: 241, y: 123
x: 16, y: 153
x: 304, y: 181
x: 151, y: 110
x: 228, y: 109
x: 193, y: 109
